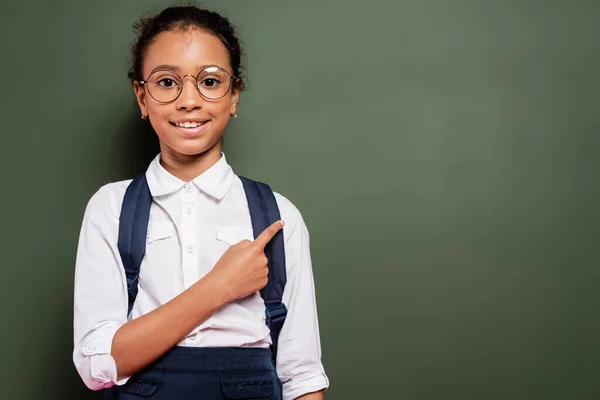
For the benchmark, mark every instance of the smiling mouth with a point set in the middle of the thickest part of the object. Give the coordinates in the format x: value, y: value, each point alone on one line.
x: 188, y: 124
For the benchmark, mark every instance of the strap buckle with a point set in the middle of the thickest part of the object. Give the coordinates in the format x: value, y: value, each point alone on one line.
x: 276, y: 314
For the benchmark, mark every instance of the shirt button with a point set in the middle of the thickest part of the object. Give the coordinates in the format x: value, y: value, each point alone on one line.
x: 188, y: 187
x: 188, y: 210
x: 89, y: 349
x: 192, y: 337
x: 190, y: 248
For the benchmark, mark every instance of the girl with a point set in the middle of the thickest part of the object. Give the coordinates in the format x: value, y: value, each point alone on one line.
x: 197, y: 328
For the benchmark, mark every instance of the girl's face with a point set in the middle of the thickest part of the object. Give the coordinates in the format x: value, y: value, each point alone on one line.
x: 179, y: 54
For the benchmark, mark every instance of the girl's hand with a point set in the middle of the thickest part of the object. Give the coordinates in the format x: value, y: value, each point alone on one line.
x: 242, y: 269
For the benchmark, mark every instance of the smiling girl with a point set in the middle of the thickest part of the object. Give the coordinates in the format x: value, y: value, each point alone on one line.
x: 196, y: 329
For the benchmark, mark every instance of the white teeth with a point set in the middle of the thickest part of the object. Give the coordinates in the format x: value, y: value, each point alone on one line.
x: 188, y: 124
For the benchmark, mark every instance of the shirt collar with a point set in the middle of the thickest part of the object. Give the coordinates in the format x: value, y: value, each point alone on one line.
x: 215, y: 181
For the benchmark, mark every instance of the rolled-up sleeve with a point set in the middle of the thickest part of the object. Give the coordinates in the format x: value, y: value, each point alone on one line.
x: 100, y: 292
x: 299, y: 363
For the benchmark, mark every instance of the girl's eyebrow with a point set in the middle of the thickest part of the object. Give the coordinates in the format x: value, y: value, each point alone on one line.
x: 166, y: 67
x: 177, y: 69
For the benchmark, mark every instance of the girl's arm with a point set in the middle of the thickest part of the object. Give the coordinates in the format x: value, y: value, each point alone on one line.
x: 312, y: 396
x: 142, y: 340
x: 299, y: 363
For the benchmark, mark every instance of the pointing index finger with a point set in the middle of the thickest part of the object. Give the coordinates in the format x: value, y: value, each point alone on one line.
x: 265, y: 237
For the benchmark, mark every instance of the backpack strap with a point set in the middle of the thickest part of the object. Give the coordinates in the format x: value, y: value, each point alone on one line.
x: 264, y: 212
x: 133, y: 228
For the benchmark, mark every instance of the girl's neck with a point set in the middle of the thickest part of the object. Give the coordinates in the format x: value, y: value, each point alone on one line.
x: 188, y: 167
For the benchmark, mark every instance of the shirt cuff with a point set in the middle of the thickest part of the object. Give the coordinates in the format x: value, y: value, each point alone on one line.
x: 297, y: 387
x: 103, y: 369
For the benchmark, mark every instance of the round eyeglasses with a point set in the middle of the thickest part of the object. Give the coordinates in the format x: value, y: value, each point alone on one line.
x: 165, y: 86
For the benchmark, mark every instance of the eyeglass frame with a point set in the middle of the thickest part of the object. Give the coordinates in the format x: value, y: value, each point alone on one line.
x: 231, y: 79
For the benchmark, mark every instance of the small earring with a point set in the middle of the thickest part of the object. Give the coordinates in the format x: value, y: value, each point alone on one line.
x: 143, y: 116
x: 234, y: 115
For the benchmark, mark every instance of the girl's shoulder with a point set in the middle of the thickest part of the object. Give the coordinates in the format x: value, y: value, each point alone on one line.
x: 106, y: 200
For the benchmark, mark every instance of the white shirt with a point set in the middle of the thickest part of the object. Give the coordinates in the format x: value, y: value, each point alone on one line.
x: 191, y: 225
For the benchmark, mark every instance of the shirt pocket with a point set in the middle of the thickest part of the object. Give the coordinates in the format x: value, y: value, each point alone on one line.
x: 233, y: 234
x: 160, y: 230
x: 162, y: 260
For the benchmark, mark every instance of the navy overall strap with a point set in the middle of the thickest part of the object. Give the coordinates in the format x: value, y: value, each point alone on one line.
x: 133, y: 228
x: 264, y: 212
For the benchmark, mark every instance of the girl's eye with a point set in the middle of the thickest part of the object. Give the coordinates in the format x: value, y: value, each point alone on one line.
x: 167, y: 82
x: 210, y: 82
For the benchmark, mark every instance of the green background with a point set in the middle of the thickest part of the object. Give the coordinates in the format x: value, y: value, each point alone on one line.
x: 444, y: 154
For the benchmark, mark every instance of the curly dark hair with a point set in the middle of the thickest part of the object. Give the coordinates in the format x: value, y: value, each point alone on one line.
x: 181, y: 18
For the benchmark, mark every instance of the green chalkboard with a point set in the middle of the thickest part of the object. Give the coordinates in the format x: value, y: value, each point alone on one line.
x: 443, y: 153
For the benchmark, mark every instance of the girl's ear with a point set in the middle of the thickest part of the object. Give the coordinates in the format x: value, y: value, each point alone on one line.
x: 235, y: 97
x: 140, y: 95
